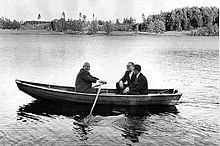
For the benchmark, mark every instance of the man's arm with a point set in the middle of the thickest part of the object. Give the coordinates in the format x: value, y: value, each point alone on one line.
x: 94, y: 77
x: 87, y: 77
x: 123, y: 79
x: 139, y: 86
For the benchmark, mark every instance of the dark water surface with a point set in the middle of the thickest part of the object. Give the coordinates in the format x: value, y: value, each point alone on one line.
x: 189, y: 64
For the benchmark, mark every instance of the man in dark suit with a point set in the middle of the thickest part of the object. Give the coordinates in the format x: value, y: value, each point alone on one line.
x: 84, y: 80
x: 140, y: 85
x: 127, y: 79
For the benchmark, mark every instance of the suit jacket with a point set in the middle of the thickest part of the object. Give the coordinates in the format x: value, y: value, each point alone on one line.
x: 140, y: 85
x: 84, y: 81
x: 127, y: 78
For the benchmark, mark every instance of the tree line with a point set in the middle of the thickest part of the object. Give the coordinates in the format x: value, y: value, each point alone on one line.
x: 8, y: 24
x: 92, y: 26
x: 198, y: 20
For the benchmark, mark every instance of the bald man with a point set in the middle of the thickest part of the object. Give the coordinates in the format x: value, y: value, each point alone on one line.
x: 84, y: 80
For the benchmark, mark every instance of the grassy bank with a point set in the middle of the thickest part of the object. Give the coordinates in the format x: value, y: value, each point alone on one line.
x: 30, y: 32
x: 114, y: 33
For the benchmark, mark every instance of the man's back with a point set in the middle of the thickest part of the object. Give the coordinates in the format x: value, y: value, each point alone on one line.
x: 140, y: 85
x: 84, y: 82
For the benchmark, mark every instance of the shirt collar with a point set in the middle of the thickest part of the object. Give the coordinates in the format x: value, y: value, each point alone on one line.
x: 138, y: 75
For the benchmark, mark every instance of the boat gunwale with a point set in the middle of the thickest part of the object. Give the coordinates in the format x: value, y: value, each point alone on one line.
x: 89, y: 94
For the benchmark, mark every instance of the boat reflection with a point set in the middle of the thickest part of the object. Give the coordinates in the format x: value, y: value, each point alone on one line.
x: 131, y: 126
x: 131, y: 120
x: 48, y: 109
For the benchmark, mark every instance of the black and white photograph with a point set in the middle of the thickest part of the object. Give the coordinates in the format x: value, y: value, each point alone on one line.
x: 109, y: 72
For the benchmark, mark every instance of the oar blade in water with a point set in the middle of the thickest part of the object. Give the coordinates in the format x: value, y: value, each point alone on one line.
x: 87, y: 119
x: 80, y: 123
x: 84, y: 122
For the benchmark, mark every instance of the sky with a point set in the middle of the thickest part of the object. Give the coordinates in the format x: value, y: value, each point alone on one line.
x: 103, y: 9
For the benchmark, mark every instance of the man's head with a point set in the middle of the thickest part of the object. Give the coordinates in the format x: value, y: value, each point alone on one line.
x: 137, y: 69
x: 86, y: 66
x: 130, y: 66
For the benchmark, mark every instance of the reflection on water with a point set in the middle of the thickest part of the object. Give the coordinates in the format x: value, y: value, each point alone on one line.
x: 48, y: 109
x: 131, y: 126
x: 128, y: 119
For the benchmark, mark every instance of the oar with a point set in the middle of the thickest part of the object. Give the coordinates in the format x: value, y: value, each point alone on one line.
x: 96, y: 85
x: 88, y: 118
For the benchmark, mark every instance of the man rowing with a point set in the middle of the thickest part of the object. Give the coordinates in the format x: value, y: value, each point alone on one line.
x: 84, y: 80
x: 127, y: 79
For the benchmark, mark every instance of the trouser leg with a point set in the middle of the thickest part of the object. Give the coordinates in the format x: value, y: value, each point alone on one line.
x: 118, y: 89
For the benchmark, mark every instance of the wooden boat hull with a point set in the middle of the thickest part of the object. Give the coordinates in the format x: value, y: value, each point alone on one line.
x: 62, y: 93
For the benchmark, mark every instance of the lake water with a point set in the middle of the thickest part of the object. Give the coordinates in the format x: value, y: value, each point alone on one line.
x: 189, y: 64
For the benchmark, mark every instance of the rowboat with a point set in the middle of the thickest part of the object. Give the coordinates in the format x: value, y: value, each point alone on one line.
x: 107, y: 97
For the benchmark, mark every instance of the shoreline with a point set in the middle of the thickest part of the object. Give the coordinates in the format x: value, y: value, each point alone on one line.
x: 99, y: 33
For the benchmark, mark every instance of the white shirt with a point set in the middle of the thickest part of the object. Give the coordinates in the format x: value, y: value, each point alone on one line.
x: 138, y: 74
x: 130, y: 74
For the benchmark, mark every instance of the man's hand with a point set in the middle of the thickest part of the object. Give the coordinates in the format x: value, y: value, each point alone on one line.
x: 126, y: 90
x: 102, y: 82
x: 121, y: 85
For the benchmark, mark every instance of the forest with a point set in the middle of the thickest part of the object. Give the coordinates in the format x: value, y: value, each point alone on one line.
x: 198, y: 20
x: 201, y: 20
